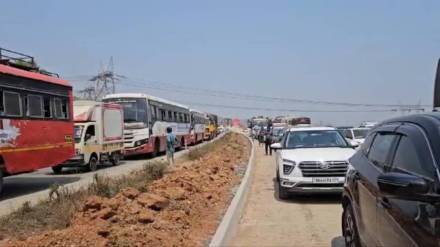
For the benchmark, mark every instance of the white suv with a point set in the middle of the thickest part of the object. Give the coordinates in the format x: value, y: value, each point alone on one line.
x: 356, y: 136
x: 311, y: 159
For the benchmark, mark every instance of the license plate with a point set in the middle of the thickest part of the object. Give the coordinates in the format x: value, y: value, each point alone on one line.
x: 325, y: 180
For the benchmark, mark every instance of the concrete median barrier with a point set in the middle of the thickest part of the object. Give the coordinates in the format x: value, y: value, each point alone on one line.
x: 227, y: 228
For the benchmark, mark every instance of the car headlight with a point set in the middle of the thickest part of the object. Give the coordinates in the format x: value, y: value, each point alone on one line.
x: 288, y: 166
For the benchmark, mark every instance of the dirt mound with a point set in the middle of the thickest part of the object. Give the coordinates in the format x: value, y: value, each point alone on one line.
x: 181, y: 209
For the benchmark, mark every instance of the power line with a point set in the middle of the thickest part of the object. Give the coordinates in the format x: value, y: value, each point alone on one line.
x: 165, y: 86
x: 220, y: 93
x: 283, y: 109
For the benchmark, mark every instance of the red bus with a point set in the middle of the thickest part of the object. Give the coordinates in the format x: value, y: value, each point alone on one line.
x: 36, y: 123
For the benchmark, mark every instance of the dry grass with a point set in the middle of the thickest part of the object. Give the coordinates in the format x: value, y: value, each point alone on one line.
x: 57, y: 211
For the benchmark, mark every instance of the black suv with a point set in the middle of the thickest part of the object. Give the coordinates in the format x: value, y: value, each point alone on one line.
x: 392, y: 191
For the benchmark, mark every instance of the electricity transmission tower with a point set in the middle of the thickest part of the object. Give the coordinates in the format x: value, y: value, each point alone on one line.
x: 103, y: 83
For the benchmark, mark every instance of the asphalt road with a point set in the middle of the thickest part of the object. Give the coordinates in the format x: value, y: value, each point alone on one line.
x: 312, y: 220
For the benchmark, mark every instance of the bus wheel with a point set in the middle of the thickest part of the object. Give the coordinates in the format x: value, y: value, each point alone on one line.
x: 182, y: 143
x: 57, y: 169
x: 93, y: 164
x: 115, y: 158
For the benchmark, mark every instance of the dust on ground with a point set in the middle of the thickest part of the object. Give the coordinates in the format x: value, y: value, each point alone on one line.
x: 183, y: 208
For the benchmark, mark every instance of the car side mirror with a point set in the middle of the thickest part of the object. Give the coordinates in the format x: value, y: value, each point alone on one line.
x: 276, y: 146
x: 354, y: 144
x: 403, y: 186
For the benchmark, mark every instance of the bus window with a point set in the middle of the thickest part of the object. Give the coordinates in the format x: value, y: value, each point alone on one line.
x: 12, y: 103
x: 34, y: 105
x: 65, y: 109
x: 186, y: 118
x: 180, y: 117
x: 162, y: 114
x: 175, y: 116
x: 2, y: 109
x: 153, y: 113
x: 170, y: 116
x: 61, y: 108
x: 47, y: 107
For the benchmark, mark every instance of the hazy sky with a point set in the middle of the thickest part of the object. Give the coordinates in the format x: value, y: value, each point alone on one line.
x: 347, y: 51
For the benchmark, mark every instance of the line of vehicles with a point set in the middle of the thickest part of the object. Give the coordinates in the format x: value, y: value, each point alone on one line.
x: 390, y: 185
x: 42, y: 126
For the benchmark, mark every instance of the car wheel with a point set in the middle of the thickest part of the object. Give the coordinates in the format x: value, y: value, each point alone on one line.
x: 93, y: 164
x: 282, y: 192
x: 115, y: 159
x: 350, y: 232
x: 57, y: 169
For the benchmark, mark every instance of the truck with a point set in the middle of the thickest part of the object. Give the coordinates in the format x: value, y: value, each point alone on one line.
x: 98, y: 135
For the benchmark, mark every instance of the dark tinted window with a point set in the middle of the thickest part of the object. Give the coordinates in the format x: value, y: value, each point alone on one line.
x: 2, y: 108
x: 47, y: 107
x: 153, y: 112
x: 34, y: 105
x: 162, y: 114
x: 12, y: 104
x: 408, y: 160
x: 367, y: 143
x: 380, y: 148
x: 61, y: 108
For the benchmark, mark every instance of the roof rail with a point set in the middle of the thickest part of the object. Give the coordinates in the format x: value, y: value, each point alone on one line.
x: 22, y: 61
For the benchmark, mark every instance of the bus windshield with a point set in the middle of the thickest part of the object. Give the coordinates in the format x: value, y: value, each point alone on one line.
x: 135, y: 110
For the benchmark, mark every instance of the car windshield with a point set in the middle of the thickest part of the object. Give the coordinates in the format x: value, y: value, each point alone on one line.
x: 360, y: 133
x: 77, y: 133
x: 315, y: 139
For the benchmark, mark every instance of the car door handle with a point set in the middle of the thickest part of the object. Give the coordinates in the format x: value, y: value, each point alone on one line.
x: 384, y: 203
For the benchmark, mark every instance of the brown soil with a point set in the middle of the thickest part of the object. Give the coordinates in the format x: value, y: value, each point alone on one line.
x: 181, y: 209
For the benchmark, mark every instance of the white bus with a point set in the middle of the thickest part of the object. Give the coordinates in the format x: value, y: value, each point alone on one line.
x: 145, y: 120
x: 199, y: 122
